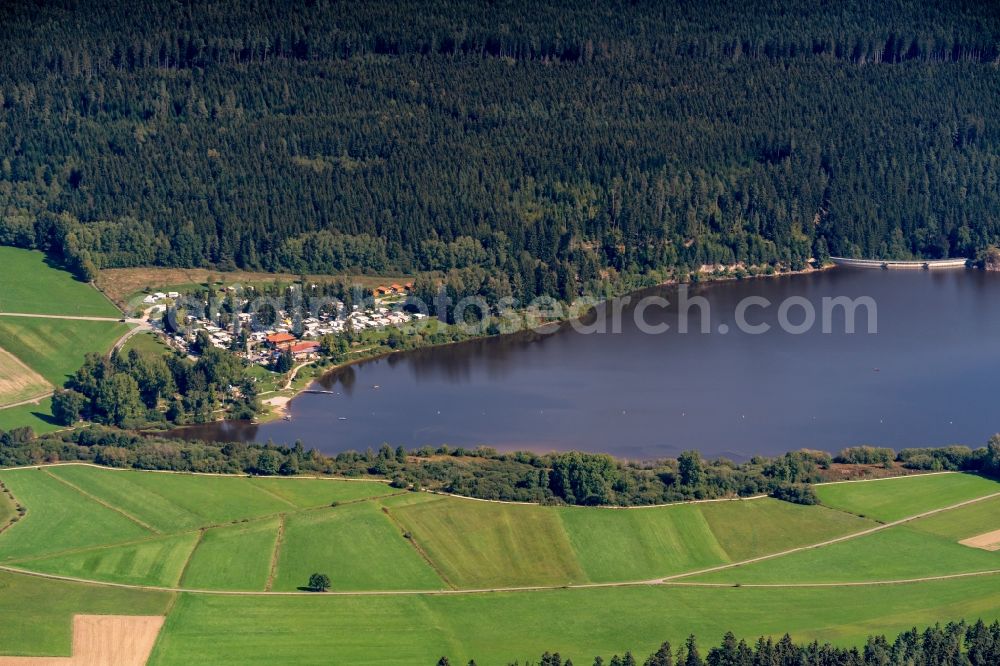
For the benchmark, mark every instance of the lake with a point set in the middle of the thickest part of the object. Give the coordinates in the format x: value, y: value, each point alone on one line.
x: 925, y: 378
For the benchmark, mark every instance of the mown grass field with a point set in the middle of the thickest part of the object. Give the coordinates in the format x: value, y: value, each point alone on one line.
x: 37, y: 416
x: 273, y: 533
x: 357, y: 546
x: 158, y: 561
x: 36, y: 355
x: 968, y: 521
x: 503, y: 627
x: 60, y: 518
x: 135, y: 527
x: 479, y: 544
x: 919, y: 548
x: 33, y: 285
x: 146, y: 344
x: 155, y: 528
x: 234, y: 557
x: 898, y: 553
x: 54, y: 348
x: 891, y: 499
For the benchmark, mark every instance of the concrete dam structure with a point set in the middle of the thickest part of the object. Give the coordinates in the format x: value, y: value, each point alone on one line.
x: 920, y: 264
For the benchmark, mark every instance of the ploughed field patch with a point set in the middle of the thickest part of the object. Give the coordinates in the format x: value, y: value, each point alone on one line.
x: 109, y: 640
x: 18, y: 382
x: 989, y: 541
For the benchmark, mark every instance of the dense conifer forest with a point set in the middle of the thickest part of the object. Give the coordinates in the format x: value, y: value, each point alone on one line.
x: 524, y: 148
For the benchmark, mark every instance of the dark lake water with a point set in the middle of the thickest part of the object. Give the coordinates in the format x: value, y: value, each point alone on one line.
x: 927, y: 377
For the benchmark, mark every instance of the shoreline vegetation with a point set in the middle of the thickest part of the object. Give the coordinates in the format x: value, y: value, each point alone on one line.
x: 571, y: 477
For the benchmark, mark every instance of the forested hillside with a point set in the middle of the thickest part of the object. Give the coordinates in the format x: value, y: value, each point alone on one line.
x: 527, y: 147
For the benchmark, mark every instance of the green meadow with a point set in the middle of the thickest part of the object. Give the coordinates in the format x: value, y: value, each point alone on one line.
x: 37, y: 415
x: 33, y: 285
x: 158, y: 561
x: 60, y: 518
x: 498, y: 628
x: 234, y: 557
x: 390, y: 554
x: 887, y: 500
x: 920, y: 548
x: 357, y: 546
x: 242, y: 533
x: 146, y: 344
x: 54, y: 348
x: 897, y: 553
x: 482, y: 544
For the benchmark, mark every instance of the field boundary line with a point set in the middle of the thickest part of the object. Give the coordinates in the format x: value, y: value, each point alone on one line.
x: 890, y: 478
x: 849, y: 583
x: 93, y: 283
x: 420, y: 550
x: 608, y: 507
x: 276, y: 553
x: 108, y: 546
x: 490, y: 590
x: 187, y: 562
x: 30, y: 401
x: 829, y: 542
x: 275, y: 496
x: 84, y: 463
x: 32, y: 315
x: 191, y: 530
x: 103, y: 503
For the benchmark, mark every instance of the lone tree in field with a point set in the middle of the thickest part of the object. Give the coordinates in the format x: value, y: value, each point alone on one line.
x: 319, y: 582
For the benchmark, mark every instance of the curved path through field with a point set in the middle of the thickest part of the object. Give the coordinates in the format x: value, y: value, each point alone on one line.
x: 70, y: 317
x: 138, y: 326
x: 674, y: 579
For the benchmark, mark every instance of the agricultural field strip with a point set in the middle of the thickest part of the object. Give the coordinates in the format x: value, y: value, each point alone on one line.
x: 200, y: 528
x: 102, y: 502
x: 884, y: 478
x: 493, y: 590
x: 278, y: 497
x: 420, y: 551
x: 190, y: 556
x: 829, y: 542
x: 156, y: 534
x: 666, y: 580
